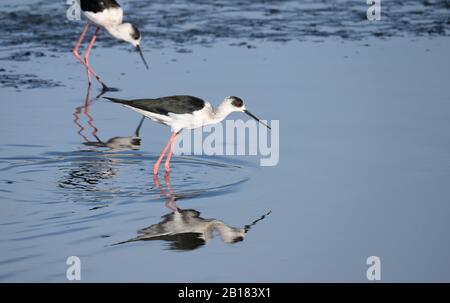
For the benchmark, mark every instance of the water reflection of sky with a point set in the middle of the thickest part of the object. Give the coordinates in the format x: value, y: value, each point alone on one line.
x: 363, y: 166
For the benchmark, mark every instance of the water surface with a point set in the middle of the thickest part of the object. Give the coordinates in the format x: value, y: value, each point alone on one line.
x: 364, y: 145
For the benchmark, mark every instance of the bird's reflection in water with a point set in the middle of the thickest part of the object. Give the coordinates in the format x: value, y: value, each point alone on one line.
x: 132, y: 142
x: 91, y: 169
x: 185, y: 229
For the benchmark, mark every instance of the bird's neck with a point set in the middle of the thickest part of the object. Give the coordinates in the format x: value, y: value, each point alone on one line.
x: 221, y: 112
x: 118, y: 31
x: 228, y: 233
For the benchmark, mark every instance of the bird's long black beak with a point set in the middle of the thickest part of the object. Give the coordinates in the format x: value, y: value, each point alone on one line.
x: 256, y: 118
x: 138, y: 48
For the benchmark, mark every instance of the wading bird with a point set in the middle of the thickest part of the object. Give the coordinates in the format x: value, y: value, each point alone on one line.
x: 185, y: 229
x: 183, y: 112
x: 109, y: 15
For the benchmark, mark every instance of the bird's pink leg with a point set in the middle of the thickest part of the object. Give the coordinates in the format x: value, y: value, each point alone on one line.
x: 158, y: 185
x: 77, y: 46
x: 86, y: 101
x: 76, y: 120
x: 156, y: 166
x: 170, y: 197
x: 169, y: 155
x: 172, y: 203
x: 88, y: 51
x: 78, y: 57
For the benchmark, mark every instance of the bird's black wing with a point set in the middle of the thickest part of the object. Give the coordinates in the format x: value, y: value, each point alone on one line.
x: 165, y: 105
x: 96, y: 6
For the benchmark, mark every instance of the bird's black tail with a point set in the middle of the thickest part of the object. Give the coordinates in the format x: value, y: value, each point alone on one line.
x: 115, y: 100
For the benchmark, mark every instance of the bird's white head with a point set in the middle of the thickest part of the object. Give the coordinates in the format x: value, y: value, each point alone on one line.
x: 129, y: 33
x: 235, y: 104
x: 230, y: 234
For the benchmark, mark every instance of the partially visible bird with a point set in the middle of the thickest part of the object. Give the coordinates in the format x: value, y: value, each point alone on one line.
x: 115, y: 144
x: 184, y: 229
x: 109, y: 15
x: 183, y: 112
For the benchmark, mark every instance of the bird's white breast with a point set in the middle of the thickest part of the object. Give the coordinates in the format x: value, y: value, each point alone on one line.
x: 178, y: 122
x: 108, y: 18
x: 193, y: 120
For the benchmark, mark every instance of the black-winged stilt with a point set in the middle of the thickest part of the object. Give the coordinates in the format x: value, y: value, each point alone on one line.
x: 183, y: 112
x: 185, y: 229
x: 109, y: 15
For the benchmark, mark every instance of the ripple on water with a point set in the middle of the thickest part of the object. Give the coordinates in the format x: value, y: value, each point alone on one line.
x: 87, y: 197
x: 107, y: 177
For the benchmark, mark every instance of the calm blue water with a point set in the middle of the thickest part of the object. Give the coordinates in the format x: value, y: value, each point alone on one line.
x: 364, y: 149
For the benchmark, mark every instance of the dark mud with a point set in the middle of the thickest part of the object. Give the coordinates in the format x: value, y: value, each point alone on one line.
x: 25, y: 81
x: 180, y: 24
x: 42, y: 28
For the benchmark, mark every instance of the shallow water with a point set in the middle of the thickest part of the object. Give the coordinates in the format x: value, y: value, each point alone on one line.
x: 363, y: 171
x: 33, y: 29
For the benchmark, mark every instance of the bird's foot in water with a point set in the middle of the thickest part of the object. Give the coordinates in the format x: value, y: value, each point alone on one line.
x: 155, y: 170
x: 106, y: 89
x: 167, y: 168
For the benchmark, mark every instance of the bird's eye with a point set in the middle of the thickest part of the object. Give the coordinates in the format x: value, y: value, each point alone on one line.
x: 135, y: 34
x: 237, y: 102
